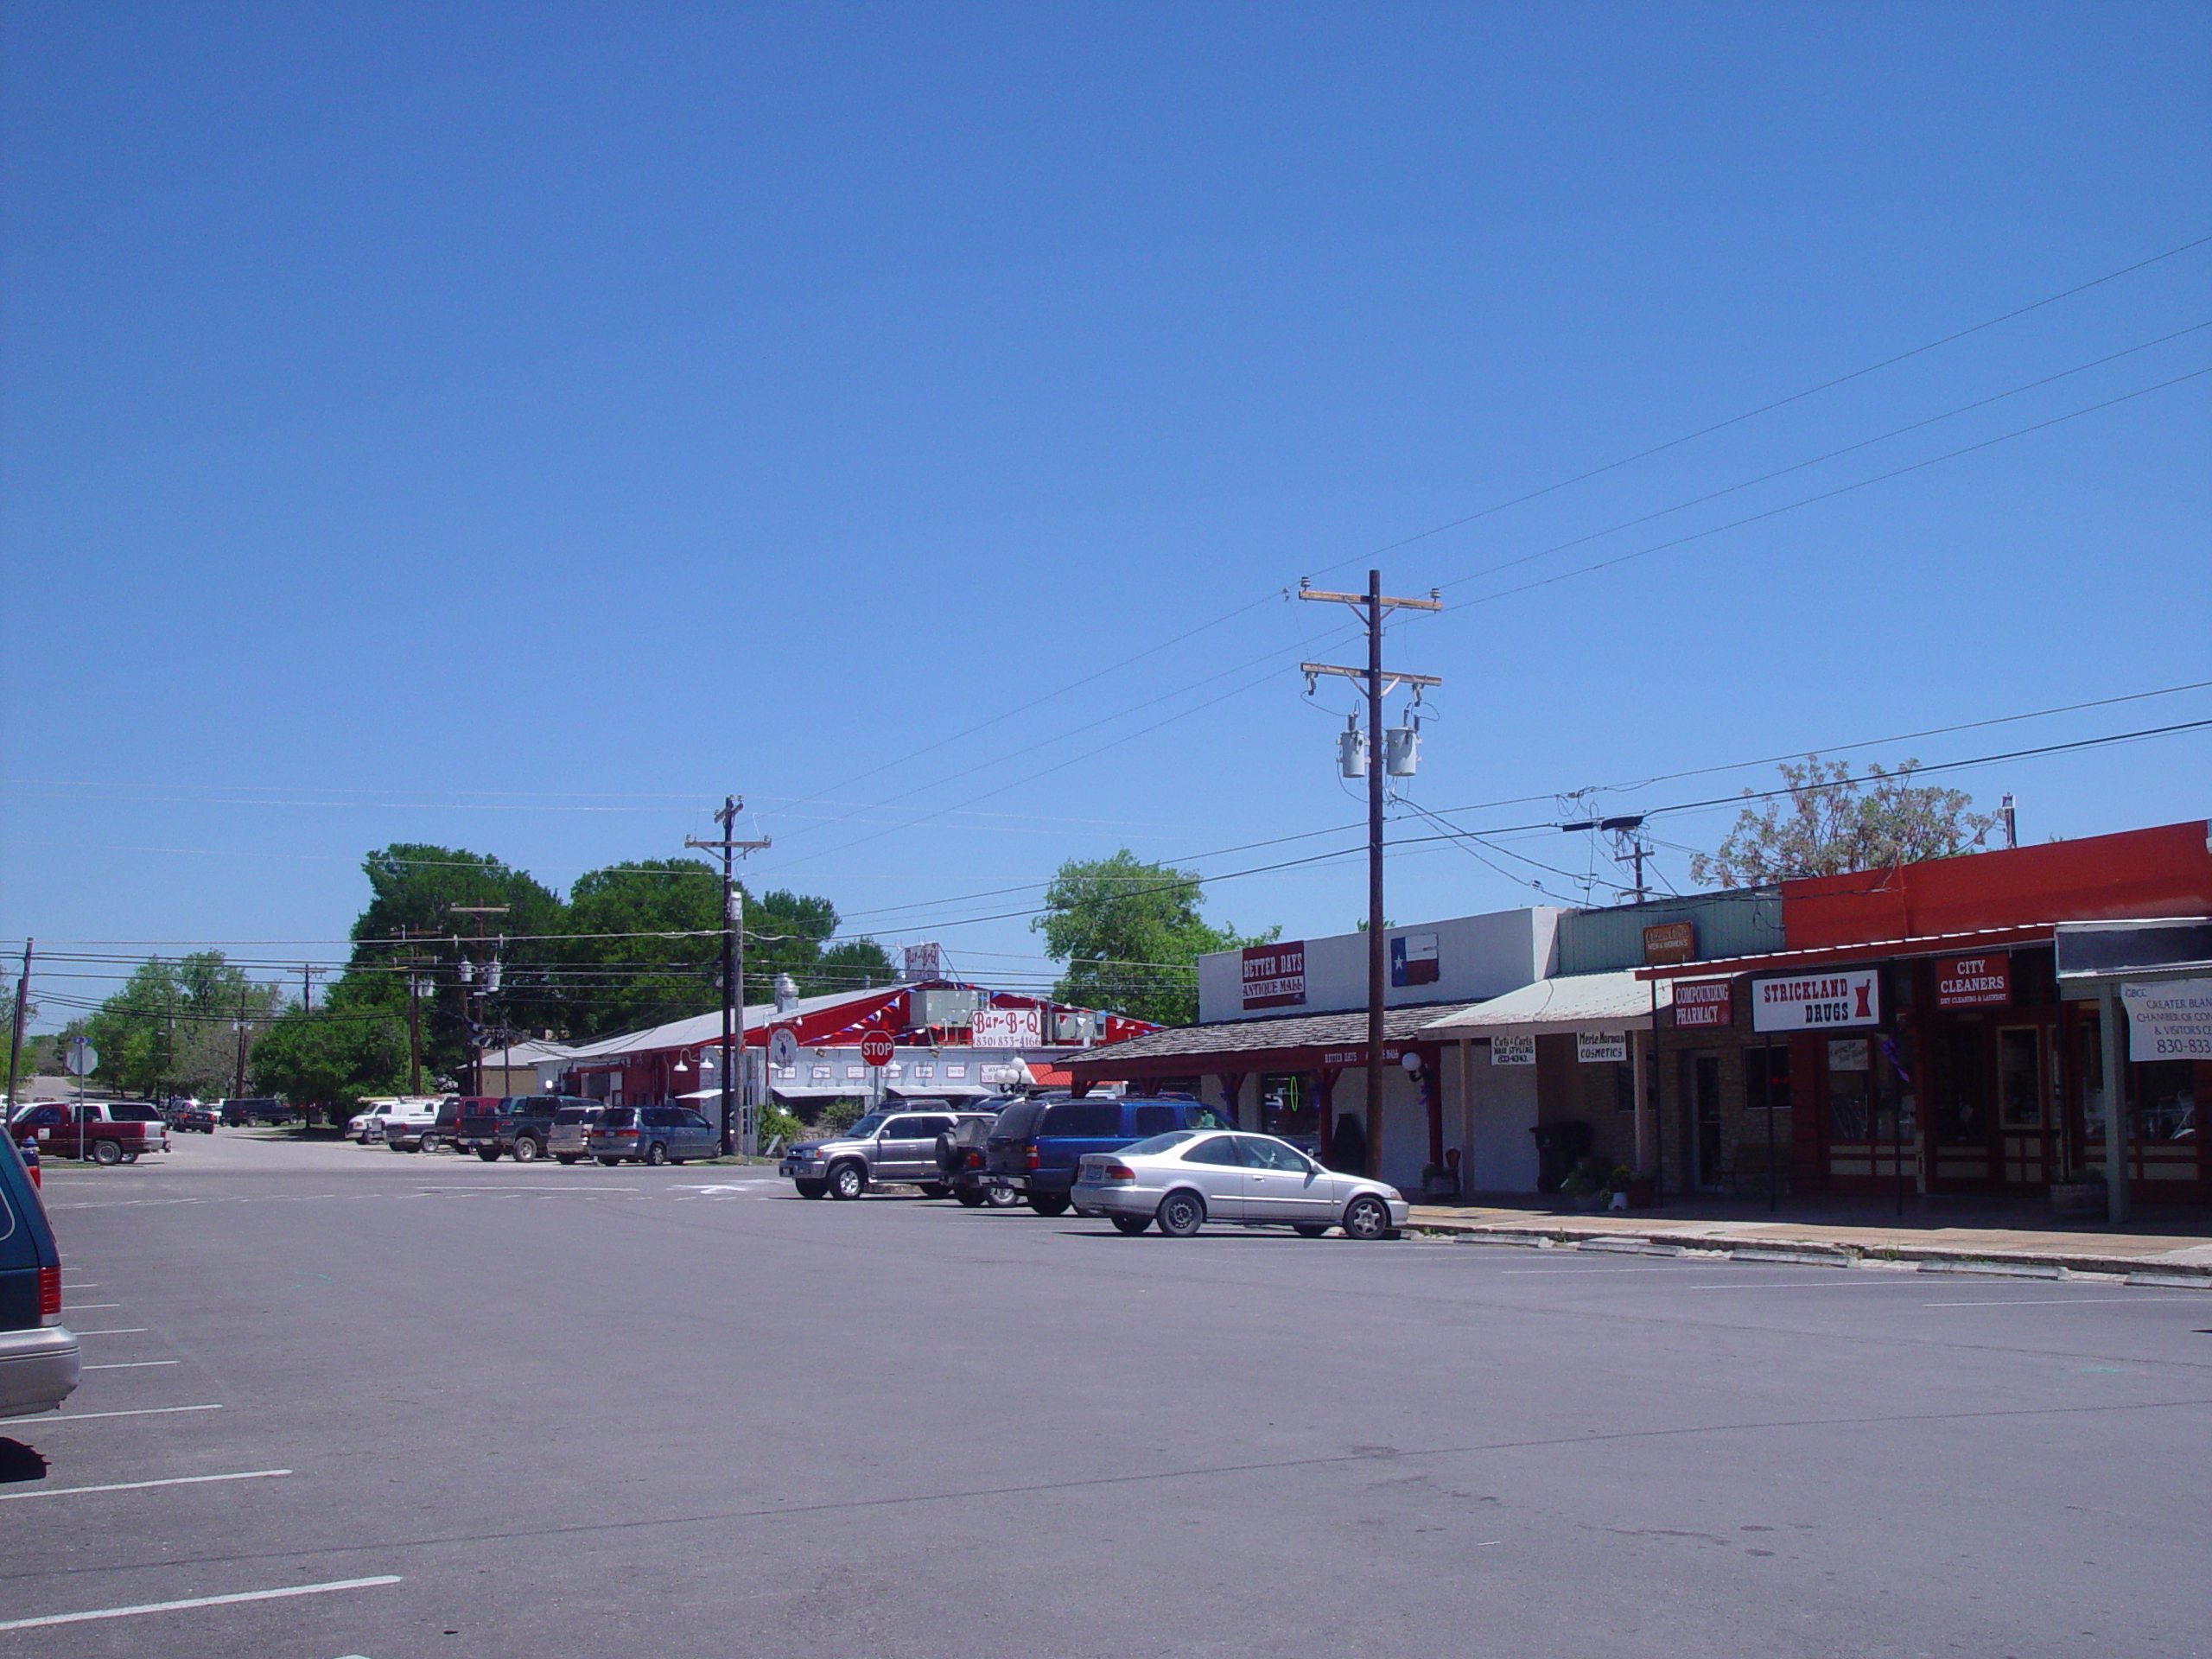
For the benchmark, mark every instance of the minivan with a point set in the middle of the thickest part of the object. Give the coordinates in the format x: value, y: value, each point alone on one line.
x: 653, y: 1135
x: 1036, y: 1145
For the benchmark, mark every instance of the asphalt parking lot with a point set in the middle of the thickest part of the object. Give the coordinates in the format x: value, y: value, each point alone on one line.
x: 344, y: 1401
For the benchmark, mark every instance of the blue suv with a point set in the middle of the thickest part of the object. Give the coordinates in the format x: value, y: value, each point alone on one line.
x: 1035, y: 1145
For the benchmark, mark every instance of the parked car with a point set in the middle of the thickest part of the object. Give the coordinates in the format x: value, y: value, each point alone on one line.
x: 190, y: 1117
x: 106, y: 1132
x: 423, y: 1124
x: 368, y: 1124
x: 40, y: 1364
x: 885, y: 1145
x: 651, y: 1135
x: 1183, y: 1180
x: 1036, y: 1145
x: 570, y: 1138
x: 257, y: 1109
x: 516, y: 1125
x: 960, y: 1155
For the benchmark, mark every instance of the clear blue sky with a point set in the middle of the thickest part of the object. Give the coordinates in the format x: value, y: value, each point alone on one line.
x: 514, y: 427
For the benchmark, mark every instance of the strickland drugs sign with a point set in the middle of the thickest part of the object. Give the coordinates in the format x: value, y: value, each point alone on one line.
x: 1842, y: 996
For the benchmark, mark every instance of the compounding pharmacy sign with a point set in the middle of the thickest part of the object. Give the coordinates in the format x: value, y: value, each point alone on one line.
x: 1823, y: 1001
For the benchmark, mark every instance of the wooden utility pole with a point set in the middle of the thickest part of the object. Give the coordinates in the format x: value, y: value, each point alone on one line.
x: 239, y: 1091
x: 732, y: 964
x: 483, y: 969
x: 1372, y: 606
x: 15, y: 1033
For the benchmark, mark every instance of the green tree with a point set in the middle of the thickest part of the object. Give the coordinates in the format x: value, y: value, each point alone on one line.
x: 1131, y: 936
x: 353, y: 1046
x: 669, y: 967
x: 175, y: 1025
x: 787, y: 932
x: 1829, y: 822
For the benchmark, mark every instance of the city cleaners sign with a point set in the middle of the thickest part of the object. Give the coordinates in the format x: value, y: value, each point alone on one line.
x: 1842, y: 996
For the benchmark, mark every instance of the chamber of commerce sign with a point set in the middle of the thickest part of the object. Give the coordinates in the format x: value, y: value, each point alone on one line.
x: 1842, y: 996
x: 1704, y: 1002
x: 2171, y: 1021
x: 1274, y: 975
x: 1974, y: 982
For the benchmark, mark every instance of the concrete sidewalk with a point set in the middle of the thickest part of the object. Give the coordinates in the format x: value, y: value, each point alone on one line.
x: 2173, y: 1246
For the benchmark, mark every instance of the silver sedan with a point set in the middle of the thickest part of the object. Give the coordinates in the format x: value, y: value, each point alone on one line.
x: 1187, y: 1178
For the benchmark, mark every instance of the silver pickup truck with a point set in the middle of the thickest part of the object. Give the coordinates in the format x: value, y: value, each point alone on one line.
x: 897, y: 1145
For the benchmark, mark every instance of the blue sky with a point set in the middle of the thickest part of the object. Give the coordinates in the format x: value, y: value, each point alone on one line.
x: 515, y: 427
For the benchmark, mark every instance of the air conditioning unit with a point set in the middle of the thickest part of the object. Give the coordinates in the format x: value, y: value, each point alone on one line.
x: 1074, y: 1026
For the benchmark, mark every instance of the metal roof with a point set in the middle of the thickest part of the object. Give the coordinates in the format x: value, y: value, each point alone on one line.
x: 708, y: 1028
x: 1250, y: 1039
x: 1613, y: 1001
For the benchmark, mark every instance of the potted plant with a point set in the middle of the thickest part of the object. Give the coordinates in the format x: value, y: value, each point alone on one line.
x: 1439, y: 1181
x: 1583, y: 1189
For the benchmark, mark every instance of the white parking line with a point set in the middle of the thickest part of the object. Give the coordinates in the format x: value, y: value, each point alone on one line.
x: 2036, y: 1301
x: 1814, y: 1284
x: 140, y: 1485
x: 119, y: 1330
x: 130, y: 1364
x: 199, y: 1601
x: 93, y: 1416
x: 92, y: 1307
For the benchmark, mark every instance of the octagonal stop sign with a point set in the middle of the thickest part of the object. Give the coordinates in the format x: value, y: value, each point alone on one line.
x: 875, y: 1048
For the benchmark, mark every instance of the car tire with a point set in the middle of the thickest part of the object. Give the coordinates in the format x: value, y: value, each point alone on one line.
x: 1130, y: 1226
x: 394, y: 1146
x: 106, y: 1152
x: 566, y: 1158
x: 811, y: 1189
x: 1367, y: 1217
x: 130, y: 1157
x: 1309, y: 1228
x: 1049, y: 1203
x: 934, y: 1189
x: 999, y: 1196
x: 527, y: 1151
x: 608, y: 1163
x: 489, y: 1154
x: 969, y: 1196
x: 1182, y: 1214
x: 430, y: 1144
x: 847, y: 1182
x: 656, y: 1154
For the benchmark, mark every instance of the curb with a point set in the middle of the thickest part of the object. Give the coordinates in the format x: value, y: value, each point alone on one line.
x: 1826, y: 1253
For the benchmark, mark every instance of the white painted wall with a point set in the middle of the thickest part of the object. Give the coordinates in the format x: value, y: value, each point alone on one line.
x: 1497, y: 1154
x: 1478, y: 957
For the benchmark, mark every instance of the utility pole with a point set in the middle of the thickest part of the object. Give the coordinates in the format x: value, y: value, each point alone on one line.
x: 1372, y: 606
x: 239, y: 1091
x: 733, y: 964
x: 416, y: 989
x: 1629, y: 846
x: 489, y: 983
x: 15, y: 1033
x: 307, y: 989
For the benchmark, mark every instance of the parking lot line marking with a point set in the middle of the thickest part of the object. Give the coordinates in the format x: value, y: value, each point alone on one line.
x: 1814, y: 1284
x: 2035, y: 1302
x: 199, y: 1601
x: 119, y: 1330
x: 143, y: 1411
x: 130, y: 1364
x: 93, y: 1307
x: 139, y: 1486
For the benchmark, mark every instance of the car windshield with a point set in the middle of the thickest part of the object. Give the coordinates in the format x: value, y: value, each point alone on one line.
x: 1158, y: 1143
x: 865, y: 1127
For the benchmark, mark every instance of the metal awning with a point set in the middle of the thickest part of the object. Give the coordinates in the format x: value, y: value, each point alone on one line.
x: 1609, y: 1002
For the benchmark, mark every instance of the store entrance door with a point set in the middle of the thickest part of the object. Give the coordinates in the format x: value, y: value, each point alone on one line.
x: 2026, y: 1120
x: 1963, y: 1121
x: 1705, y: 1117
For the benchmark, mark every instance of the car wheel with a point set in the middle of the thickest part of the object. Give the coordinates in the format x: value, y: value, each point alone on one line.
x: 1367, y: 1217
x: 430, y: 1144
x: 489, y: 1154
x: 106, y: 1152
x: 565, y: 1157
x: 656, y: 1154
x: 811, y: 1189
x: 1182, y: 1214
x: 969, y: 1196
x: 1131, y: 1225
x: 1049, y: 1203
x: 999, y: 1196
x: 608, y: 1163
x: 394, y: 1146
x: 130, y: 1157
x: 934, y: 1189
x: 527, y: 1151
x: 848, y: 1182
x: 1309, y: 1228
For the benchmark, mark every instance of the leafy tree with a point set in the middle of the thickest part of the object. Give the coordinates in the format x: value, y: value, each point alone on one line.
x: 1131, y: 936
x: 784, y: 933
x: 353, y: 1046
x: 174, y: 1026
x: 618, y: 983
x: 1829, y: 822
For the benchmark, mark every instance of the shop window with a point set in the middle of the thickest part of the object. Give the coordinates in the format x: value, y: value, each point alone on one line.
x: 1623, y: 1088
x: 2019, y: 1081
x: 2089, y: 1066
x: 1287, y: 1106
x: 2164, y: 1107
x: 1960, y: 1087
x: 1766, y: 1079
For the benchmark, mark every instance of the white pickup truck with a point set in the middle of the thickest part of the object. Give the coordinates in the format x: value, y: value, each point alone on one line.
x: 421, y: 1123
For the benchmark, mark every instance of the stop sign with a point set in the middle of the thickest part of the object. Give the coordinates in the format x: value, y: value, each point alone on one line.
x: 875, y: 1048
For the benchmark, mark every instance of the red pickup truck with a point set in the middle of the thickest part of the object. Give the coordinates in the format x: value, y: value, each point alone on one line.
x: 107, y: 1132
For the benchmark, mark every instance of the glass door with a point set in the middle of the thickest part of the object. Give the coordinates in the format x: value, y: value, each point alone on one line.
x: 2029, y: 1157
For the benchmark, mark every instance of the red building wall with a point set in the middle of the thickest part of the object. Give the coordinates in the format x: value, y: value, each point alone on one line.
x: 2134, y: 874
